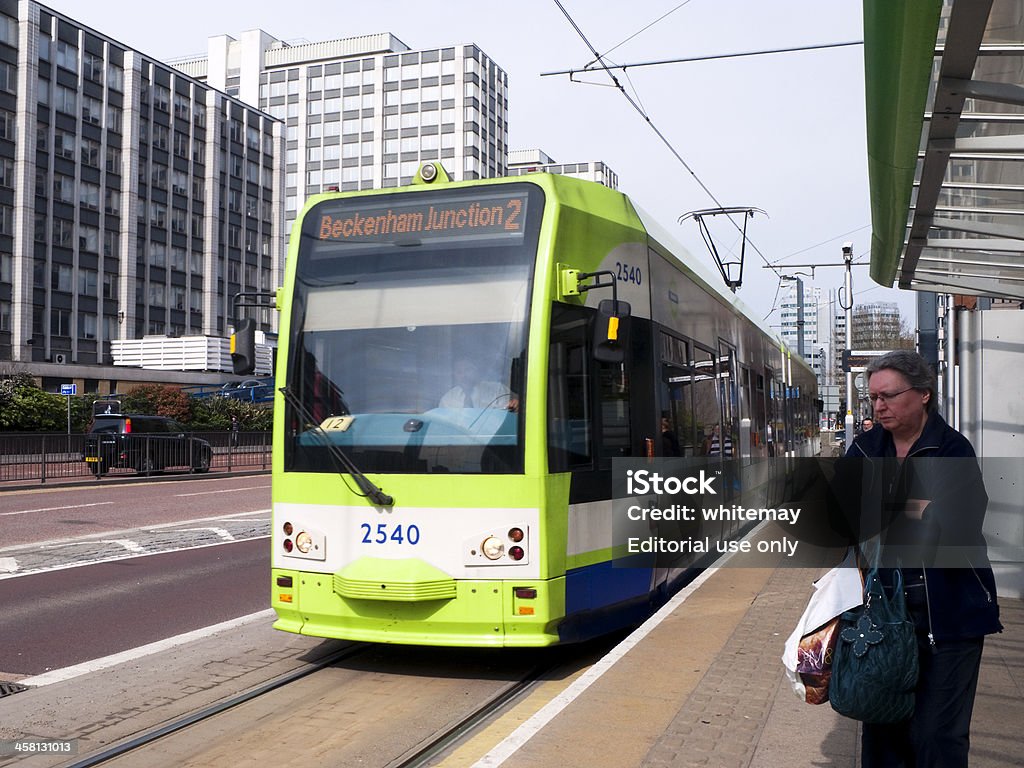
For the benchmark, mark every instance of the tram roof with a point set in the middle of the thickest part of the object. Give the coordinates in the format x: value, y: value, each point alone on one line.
x: 945, y: 135
x: 711, y: 280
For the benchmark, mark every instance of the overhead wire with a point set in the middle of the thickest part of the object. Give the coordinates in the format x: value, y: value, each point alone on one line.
x: 638, y: 32
x: 712, y: 57
x: 600, y: 59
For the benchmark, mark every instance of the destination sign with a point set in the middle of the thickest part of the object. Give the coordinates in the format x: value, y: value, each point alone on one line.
x: 484, y: 215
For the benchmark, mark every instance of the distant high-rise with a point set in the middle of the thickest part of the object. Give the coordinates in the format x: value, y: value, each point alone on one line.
x: 365, y: 112
x: 876, y: 326
x: 799, y: 312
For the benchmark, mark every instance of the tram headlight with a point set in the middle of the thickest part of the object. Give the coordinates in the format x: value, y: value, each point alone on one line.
x: 493, y: 548
x: 303, y: 542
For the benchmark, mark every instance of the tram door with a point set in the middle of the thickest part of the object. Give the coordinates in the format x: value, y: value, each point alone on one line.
x: 676, y: 422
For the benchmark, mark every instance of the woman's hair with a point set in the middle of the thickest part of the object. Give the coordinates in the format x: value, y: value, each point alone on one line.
x: 912, y: 366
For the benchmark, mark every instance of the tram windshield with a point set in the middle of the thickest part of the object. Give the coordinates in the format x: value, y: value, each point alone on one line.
x: 408, y: 331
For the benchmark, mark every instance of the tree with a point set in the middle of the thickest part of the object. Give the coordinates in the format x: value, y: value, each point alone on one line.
x: 24, y: 407
x: 158, y: 400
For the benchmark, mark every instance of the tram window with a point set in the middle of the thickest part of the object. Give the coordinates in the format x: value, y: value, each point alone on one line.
x: 678, y: 384
x: 569, y: 399
x: 706, y: 411
x: 613, y: 395
x: 728, y: 392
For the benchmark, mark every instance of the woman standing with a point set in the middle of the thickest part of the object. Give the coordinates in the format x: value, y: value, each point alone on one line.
x: 953, y: 608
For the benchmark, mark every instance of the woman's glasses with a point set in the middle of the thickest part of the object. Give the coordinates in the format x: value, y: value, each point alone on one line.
x: 885, y: 397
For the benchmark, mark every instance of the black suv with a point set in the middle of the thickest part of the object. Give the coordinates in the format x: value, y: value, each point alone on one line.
x: 143, y: 443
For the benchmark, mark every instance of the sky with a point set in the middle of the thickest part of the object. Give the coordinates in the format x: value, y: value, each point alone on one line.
x: 784, y: 133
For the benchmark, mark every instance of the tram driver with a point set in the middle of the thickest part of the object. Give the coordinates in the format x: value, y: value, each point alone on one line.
x: 471, y: 390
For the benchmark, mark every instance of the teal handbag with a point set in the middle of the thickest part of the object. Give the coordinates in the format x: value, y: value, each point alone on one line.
x: 875, y: 666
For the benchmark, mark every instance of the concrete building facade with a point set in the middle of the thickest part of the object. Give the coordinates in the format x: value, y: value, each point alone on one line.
x: 365, y: 112
x: 134, y: 199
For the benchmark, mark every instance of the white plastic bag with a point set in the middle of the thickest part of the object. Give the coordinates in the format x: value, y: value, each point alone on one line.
x: 839, y: 590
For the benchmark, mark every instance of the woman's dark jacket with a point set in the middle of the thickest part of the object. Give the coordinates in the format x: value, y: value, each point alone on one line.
x: 956, y: 597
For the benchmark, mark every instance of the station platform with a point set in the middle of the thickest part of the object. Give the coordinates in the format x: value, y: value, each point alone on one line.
x: 702, y: 684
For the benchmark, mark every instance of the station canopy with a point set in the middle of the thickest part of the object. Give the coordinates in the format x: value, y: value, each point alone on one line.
x: 945, y: 132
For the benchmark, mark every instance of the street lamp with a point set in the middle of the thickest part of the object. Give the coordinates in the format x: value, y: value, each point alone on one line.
x: 847, y: 305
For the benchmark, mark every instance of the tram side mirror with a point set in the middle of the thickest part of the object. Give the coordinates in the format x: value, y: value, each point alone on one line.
x: 611, y: 331
x: 243, y: 347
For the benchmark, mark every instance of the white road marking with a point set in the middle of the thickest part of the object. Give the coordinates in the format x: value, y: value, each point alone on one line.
x: 54, y: 509
x: 219, y: 531
x: 226, y: 490
x: 8, y: 565
x: 131, y: 546
x: 59, y: 675
x: 114, y: 558
x: 93, y: 538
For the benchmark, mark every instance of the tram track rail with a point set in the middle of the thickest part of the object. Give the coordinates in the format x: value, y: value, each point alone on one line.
x: 153, y: 735
x: 455, y: 734
x: 423, y: 754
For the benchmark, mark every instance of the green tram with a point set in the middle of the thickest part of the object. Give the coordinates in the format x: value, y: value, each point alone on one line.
x: 459, y: 365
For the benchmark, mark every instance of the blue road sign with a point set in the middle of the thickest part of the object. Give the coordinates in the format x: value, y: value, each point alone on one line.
x: 69, y: 389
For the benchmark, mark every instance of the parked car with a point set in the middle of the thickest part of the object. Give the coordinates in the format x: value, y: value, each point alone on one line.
x: 143, y: 443
x: 250, y: 390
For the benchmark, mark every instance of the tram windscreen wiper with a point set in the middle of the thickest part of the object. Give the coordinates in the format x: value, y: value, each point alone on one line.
x: 342, y: 462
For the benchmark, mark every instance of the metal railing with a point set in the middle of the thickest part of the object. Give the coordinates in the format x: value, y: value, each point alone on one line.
x: 52, y: 456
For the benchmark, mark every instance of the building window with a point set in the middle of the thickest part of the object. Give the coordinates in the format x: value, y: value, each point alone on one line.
x: 88, y: 239
x: 67, y: 56
x: 109, y: 285
x: 92, y: 110
x: 113, y: 119
x: 60, y: 278
x: 65, y: 100
x: 60, y: 322
x: 87, y: 282
x: 162, y: 98
x: 113, y: 160
x: 9, y: 31
x: 112, y: 202
x: 86, y: 326
x: 8, y: 125
x: 92, y: 67
x: 89, y: 196
x: 90, y: 153
x: 63, y: 188
x: 111, y: 243
x: 115, y: 78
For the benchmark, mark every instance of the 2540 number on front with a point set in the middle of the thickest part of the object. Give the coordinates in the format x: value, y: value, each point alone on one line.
x: 396, y: 533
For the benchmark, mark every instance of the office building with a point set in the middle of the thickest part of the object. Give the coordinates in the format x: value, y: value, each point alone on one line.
x: 799, y: 310
x: 365, y: 112
x: 877, y: 326
x: 134, y: 199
